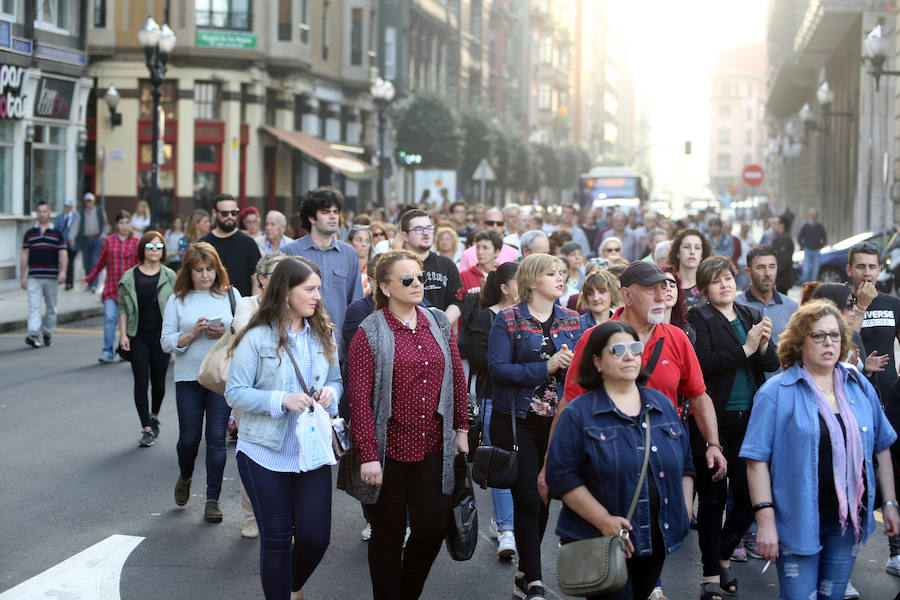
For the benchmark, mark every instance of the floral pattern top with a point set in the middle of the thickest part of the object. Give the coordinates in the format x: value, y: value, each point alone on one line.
x: 545, y: 399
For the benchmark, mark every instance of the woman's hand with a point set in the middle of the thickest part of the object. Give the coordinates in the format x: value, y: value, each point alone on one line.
x: 124, y: 342
x: 198, y: 330
x: 543, y: 489
x: 613, y: 525
x: 560, y: 360
x: 215, y: 331
x: 767, y: 538
x: 461, y: 442
x: 891, y: 520
x: 297, y: 402
x: 754, y: 339
x: 875, y: 363
x: 325, y: 397
x: 370, y: 473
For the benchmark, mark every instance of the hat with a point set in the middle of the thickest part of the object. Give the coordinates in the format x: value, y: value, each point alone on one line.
x: 68, y: 203
x: 90, y: 196
x: 641, y: 272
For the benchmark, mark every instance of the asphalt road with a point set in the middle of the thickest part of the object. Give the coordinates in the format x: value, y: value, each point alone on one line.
x: 73, y: 475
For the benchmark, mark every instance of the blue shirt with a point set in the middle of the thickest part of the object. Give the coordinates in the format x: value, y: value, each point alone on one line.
x: 784, y: 432
x: 341, y: 281
x: 779, y: 309
x: 600, y: 447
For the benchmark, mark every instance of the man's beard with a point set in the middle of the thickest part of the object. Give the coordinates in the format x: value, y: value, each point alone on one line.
x: 227, y: 226
x: 656, y: 319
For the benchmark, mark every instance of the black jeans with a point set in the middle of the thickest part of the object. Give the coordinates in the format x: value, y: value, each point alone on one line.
x: 70, y: 268
x: 643, y: 571
x: 149, y: 364
x: 399, y: 573
x: 529, y: 512
x: 718, y: 541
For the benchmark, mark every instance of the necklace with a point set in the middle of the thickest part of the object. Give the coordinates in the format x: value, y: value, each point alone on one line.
x: 404, y: 320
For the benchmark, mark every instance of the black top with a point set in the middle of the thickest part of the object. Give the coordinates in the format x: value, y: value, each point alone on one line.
x: 784, y: 253
x: 149, y: 315
x: 239, y: 255
x: 828, y: 502
x: 880, y: 327
x: 443, y: 285
x: 812, y: 236
x: 545, y: 398
x: 479, y: 332
x: 43, y: 251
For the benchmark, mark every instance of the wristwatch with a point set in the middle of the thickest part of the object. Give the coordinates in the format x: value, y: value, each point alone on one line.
x: 716, y: 444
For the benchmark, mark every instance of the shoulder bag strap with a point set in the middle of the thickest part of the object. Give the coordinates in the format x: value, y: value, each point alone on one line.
x: 513, y: 416
x: 640, y: 483
x: 231, y: 299
x: 654, y: 358
x: 297, y: 370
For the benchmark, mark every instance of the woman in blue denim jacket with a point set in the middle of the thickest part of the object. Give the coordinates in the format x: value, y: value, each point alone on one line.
x: 596, y: 455
x: 529, y: 349
x: 290, y: 323
x: 813, y: 434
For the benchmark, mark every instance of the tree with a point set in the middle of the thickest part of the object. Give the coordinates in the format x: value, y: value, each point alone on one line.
x: 551, y: 175
x: 476, y: 143
x: 428, y: 128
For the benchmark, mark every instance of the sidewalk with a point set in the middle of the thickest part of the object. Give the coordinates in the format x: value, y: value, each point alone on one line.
x: 72, y: 305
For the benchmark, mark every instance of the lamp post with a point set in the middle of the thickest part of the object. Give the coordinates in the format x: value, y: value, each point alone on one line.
x: 158, y: 43
x: 111, y: 97
x: 876, y: 50
x: 382, y: 93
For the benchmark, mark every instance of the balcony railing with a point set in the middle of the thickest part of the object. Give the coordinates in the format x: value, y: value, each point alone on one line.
x: 240, y: 21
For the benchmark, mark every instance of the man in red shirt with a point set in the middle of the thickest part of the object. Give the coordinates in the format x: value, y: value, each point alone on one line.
x: 487, y: 249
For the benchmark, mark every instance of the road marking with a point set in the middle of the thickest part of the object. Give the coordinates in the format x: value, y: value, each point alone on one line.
x: 92, y: 574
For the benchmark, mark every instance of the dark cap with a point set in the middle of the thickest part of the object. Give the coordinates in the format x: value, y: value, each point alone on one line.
x: 641, y: 272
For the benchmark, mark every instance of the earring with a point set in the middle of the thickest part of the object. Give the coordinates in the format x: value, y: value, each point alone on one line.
x: 387, y: 295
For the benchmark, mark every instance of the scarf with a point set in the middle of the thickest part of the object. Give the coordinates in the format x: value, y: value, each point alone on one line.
x: 846, y: 452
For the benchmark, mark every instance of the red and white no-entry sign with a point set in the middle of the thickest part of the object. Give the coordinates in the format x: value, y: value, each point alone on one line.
x: 753, y: 175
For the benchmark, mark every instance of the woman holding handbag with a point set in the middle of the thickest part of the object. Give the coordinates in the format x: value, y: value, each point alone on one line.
x: 284, y: 362
x: 601, y: 465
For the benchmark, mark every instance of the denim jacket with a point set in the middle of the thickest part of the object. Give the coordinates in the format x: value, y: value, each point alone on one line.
x: 783, y: 431
x: 601, y: 448
x: 514, y: 354
x: 258, y: 379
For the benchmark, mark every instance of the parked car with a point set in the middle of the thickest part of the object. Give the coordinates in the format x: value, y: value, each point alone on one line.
x: 833, y: 264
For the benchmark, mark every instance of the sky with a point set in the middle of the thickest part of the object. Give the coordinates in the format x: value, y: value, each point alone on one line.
x: 673, y: 51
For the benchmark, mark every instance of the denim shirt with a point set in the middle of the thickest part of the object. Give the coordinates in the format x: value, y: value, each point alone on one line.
x: 258, y: 379
x: 596, y: 445
x: 784, y: 432
x: 514, y: 354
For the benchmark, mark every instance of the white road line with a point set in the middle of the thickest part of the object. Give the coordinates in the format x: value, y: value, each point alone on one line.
x: 92, y: 574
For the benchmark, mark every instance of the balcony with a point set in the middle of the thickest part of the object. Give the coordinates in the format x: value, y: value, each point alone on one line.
x: 825, y: 24
x: 234, y: 20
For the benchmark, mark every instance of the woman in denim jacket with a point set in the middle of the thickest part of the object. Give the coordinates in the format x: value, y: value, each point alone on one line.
x: 529, y: 350
x: 596, y: 455
x: 263, y: 383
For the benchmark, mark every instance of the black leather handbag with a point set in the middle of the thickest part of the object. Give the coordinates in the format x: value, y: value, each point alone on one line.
x: 462, y: 534
x: 495, y: 467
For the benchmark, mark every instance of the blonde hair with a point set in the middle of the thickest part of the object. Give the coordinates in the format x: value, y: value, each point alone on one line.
x: 790, y: 342
x: 190, y: 227
x: 449, y: 231
x: 531, y: 269
x: 596, y: 281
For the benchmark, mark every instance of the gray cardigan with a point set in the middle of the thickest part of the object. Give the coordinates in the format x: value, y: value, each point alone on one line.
x: 381, y: 342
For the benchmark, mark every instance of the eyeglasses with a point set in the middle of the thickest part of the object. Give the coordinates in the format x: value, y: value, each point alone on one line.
x: 232, y: 213
x: 850, y: 302
x: 420, y: 230
x: 618, y: 350
x: 494, y: 223
x: 865, y: 248
x: 407, y: 279
x: 360, y: 228
x: 154, y: 246
x: 607, y: 250
x: 819, y: 336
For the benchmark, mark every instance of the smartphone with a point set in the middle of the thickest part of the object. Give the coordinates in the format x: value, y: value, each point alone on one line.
x: 216, y: 322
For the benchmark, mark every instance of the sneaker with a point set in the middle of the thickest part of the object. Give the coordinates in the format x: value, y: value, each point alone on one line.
x: 739, y: 554
x: 154, y: 426
x: 850, y: 592
x: 750, y: 546
x: 536, y: 592
x: 250, y: 530
x: 519, y: 588
x: 48, y: 339
x: 367, y: 532
x: 33, y: 341
x: 506, y: 545
x: 182, y: 491
x: 893, y: 565
x: 106, y: 357
x: 212, y: 514
x: 146, y: 439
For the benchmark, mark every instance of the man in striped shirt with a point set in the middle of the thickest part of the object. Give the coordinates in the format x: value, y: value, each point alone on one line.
x: 43, y: 268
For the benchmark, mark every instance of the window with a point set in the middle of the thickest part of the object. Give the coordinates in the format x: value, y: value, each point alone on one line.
x: 99, y: 14
x: 304, y: 21
x: 611, y: 133
x: 8, y: 7
x: 54, y: 14
x: 6, y: 160
x: 284, y: 21
x: 390, y: 53
x: 166, y: 99
x: 206, y: 101
x: 48, y: 175
x: 356, y: 42
x: 223, y: 14
x: 546, y: 51
x: 271, y: 101
x: 476, y: 18
x: 724, y: 137
x: 325, y: 6
x: 723, y: 162
x: 610, y: 104
x: 544, y: 97
x: 611, y: 75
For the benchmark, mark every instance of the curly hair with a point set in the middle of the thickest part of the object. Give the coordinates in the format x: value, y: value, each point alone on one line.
x: 383, y: 270
x: 675, y: 250
x: 790, y: 342
x: 197, y: 254
x: 600, y: 280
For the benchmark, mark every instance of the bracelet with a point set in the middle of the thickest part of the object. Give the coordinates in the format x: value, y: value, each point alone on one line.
x: 859, y: 312
x: 462, y: 431
x: 890, y: 503
x: 716, y: 444
x: 762, y: 505
x: 862, y: 308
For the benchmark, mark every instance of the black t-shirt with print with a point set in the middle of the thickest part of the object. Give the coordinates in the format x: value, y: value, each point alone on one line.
x: 879, y: 331
x: 443, y: 285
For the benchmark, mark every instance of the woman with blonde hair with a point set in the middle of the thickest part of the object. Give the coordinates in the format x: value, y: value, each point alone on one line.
x: 198, y: 314
x: 600, y: 295
x: 446, y: 243
x: 611, y: 246
x: 140, y: 220
x: 196, y: 227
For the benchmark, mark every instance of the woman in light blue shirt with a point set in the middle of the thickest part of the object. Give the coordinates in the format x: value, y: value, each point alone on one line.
x: 291, y: 323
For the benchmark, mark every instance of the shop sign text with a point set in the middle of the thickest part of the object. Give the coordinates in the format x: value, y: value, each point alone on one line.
x: 12, y: 101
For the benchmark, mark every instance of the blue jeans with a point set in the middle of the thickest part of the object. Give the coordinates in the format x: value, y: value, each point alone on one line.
x: 288, y: 505
x: 110, y: 322
x: 503, y: 502
x: 193, y: 400
x: 90, y: 252
x: 810, y: 269
x: 825, y: 573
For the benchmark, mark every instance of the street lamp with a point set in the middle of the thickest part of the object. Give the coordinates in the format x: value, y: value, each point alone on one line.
x: 382, y: 93
x: 876, y: 50
x: 111, y: 97
x: 158, y: 43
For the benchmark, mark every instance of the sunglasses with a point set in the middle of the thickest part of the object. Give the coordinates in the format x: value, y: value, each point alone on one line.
x: 494, y: 223
x: 618, y: 350
x: 407, y: 279
x: 819, y: 336
x: 612, y: 249
x: 154, y: 246
x: 865, y: 248
x: 226, y: 213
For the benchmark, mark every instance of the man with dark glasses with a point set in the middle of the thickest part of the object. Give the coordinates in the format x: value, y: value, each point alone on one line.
x: 237, y: 250
x: 443, y: 286
x: 493, y: 221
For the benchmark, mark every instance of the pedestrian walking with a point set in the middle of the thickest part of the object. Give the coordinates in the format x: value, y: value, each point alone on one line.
x: 173, y: 241
x: 597, y: 476
x: 43, y: 267
x: 815, y: 433
x: 284, y: 362
x: 408, y: 423
x: 274, y: 239
x: 197, y: 226
x: 237, y: 251
x: 529, y: 350
x: 143, y: 293
x: 689, y: 248
x: 88, y: 232
x: 63, y: 224
x: 443, y: 286
x: 784, y: 253
x: 812, y: 238
x: 194, y: 319
x: 140, y: 220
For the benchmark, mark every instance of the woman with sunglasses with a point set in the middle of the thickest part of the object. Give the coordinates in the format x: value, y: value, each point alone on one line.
x: 596, y: 454
x: 143, y: 293
x: 734, y: 350
x: 611, y: 246
x: 409, y: 418
x: 816, y: 431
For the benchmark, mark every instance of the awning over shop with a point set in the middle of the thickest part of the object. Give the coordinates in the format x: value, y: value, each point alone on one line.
x: 321, y: 151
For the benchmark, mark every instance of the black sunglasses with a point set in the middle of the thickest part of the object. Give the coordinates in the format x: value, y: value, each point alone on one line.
x: 494, y: 223
x: 226, y: 213
x: 865, y: 248
x: 409, y: 277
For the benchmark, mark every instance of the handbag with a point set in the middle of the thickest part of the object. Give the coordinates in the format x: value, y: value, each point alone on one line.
x: 213, y: 373
x: 596, y: 566
x: 462, y: 534
x: 314, y: 439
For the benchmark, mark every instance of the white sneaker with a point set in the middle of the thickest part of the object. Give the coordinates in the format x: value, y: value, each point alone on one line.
x: 506, y: 545
x: 893, y: 565
x: 250, y: 530
x: 850, y: 593
x: 367, y: 533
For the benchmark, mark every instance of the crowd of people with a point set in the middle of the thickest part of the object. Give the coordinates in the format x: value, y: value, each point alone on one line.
x: 559, y: 335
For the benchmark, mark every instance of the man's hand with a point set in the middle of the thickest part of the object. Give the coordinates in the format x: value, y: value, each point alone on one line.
x: 24, y: 282
x: 865, y: 293
x: 716, y: 460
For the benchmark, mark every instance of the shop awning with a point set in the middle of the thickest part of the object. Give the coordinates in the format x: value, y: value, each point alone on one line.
x: 321, y: 151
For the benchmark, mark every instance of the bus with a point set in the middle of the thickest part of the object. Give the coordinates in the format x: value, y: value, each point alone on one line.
x: 602, y: 187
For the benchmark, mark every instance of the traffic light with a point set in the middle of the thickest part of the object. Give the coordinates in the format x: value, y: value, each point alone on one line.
x: 687, y: 147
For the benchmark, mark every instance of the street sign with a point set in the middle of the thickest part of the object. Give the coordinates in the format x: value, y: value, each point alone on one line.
x: 483, y: 172
x: 753, y: 175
